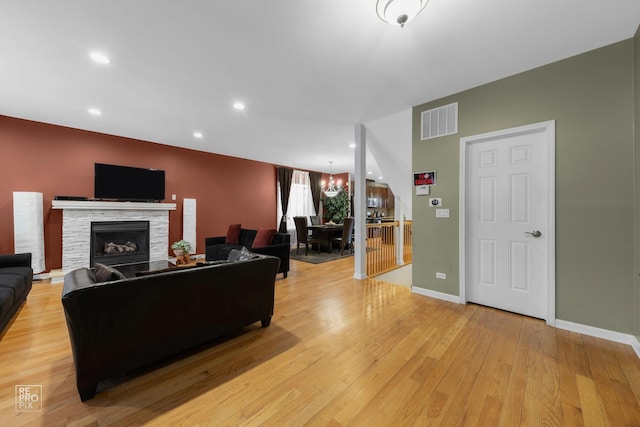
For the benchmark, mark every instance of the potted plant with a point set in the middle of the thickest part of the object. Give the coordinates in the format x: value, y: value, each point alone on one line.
x: 336, y: 209
x: 181, y: 250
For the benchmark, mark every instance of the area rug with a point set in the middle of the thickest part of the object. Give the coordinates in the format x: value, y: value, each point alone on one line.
x: 318, y: 258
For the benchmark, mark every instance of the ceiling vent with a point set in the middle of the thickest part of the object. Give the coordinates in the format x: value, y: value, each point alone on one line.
x: 440, y: 121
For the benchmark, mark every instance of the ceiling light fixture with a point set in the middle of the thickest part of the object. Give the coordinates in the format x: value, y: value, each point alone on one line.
x: 399, y: 12
x: 352, y: 145
x: 100, y: 58
x: 238, y: 106
x: 94, y: 112
x: 333, y: 189
x: 197, y: 135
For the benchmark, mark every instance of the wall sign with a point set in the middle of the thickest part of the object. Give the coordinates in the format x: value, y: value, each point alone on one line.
x: 424, y: 178
x: 422, y: 181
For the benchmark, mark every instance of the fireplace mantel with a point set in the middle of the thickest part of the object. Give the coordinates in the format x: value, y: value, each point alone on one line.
x: 77, y: 216
x: 96, y: 204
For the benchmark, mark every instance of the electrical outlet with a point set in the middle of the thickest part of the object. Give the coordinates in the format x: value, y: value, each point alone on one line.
x: 441, y: 276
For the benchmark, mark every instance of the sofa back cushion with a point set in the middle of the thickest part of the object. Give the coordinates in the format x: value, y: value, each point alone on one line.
x: 233, y: 234
x: 264, y: 237
x: 246, y: 237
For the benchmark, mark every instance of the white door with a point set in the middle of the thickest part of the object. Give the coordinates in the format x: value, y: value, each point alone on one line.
x: 508, y: 219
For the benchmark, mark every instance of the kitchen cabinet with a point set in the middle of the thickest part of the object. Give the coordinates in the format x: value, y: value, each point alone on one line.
x: 384, y: 197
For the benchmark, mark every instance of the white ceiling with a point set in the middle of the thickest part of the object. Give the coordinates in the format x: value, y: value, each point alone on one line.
x: 308, y: 71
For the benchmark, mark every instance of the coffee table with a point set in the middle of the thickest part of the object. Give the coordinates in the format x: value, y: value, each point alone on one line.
x: 138, y: 268
x: 153, y: 267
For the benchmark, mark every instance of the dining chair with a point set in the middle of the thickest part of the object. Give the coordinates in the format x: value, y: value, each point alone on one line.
x: 347, y: 235
x: 315, y: 220
x: 302, y: 234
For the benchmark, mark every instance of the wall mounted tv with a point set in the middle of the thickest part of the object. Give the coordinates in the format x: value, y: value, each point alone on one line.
x: 127, y: 183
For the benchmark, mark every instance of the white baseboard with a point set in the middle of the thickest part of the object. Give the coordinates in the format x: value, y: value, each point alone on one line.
x: 560, y: 324
x: 601, y: 333
x: 435, y: 294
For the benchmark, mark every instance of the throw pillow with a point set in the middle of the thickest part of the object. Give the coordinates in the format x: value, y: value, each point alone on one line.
x: 241, y: 255
x: 233, y: 234
x: 104, y: 273
x: 234, y: 255
x: 245, y: 254
x: 264, y: 237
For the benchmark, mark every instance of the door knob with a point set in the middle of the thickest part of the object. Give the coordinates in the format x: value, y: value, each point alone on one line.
x: 535, y: 233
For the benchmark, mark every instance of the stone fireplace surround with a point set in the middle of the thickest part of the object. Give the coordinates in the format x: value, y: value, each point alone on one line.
x: 77, y: 217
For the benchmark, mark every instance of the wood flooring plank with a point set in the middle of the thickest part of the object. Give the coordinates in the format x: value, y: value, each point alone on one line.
x: 339, y: 352
x: 593, y: 410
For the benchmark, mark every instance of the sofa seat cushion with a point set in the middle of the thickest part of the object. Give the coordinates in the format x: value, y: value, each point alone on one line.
x: 15, y: 283
x: 20, y: 271
x: 217, y: 252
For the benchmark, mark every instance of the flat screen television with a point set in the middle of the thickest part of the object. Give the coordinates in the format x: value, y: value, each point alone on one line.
x: 113, y: 182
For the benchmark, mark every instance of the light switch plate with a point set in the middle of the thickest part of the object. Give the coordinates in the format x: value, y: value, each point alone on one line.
x: 442, y: 213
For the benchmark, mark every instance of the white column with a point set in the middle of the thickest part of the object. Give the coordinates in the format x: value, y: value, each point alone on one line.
x: 360, y: 203
x: 28, y: 227
x: 399, y: 215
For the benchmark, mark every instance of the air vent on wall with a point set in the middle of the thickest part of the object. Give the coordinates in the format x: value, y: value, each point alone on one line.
x: 440, y: 121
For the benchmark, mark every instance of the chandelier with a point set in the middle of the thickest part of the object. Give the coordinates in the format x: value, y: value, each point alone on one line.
x: 399, y: 12
x: 333, y: 189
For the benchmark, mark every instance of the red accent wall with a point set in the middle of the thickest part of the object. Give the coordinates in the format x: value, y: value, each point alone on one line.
x: 56, y: 160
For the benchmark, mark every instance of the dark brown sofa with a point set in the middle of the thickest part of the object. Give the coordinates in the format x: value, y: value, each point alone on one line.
x: 217, y: 249
x: 16, y: 280
x: 118, y: 326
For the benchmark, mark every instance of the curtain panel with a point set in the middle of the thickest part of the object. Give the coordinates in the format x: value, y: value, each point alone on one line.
x: 285, y: 176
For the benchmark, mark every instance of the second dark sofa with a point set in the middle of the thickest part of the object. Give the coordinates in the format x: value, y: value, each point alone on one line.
x: 16, y: 279
x: 217, y: 249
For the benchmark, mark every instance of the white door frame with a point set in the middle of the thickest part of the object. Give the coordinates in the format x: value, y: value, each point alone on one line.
x: 549, y: 129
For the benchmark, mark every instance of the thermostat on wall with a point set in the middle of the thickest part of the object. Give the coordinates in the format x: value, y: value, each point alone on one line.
x: 422, y: 190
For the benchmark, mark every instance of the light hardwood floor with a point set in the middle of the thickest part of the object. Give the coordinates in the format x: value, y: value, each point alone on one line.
x: 339, y: 352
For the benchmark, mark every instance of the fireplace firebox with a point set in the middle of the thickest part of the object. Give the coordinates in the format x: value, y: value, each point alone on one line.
x: 119, y: 242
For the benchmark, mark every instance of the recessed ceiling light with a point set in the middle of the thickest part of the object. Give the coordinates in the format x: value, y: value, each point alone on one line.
x: 99, y: 57
x: 379, y: 177
x: 197, y: 135
x: 352, y: 145
x: 369, y: 173
x: 94, y: 112
x: 238, y: 106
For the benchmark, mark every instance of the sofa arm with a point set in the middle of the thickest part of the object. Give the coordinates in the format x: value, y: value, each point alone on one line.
x: 281, y: 251
x: 279, y: 238
x: 210, y: 241
x: 15, y: 260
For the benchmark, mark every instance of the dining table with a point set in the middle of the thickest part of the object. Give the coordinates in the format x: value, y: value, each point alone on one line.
x: 324, y: 233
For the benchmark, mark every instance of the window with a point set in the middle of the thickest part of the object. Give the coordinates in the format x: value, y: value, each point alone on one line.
x: 300, y: 201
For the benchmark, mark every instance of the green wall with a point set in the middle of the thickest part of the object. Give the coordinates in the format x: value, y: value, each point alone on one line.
x: 591, y: 98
